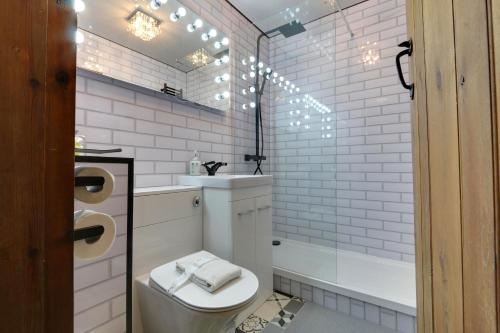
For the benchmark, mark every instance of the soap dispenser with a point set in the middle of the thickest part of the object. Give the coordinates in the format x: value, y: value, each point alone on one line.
x: 195, y: 165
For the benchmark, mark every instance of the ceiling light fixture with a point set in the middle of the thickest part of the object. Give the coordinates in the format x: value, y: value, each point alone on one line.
x: 200, y: 57
x: 198, y: 23
x: 223, y: 60
x: 79, y: 6
x: 208, y: 35
x: 180, y: 13
x: 142, y: 25
x: 79, y: 37
x: 156, y: 4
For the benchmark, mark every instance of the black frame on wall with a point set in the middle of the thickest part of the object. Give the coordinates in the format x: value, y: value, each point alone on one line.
x: 130, y: 220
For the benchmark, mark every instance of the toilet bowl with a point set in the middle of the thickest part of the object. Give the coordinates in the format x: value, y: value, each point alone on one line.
x: 191, y: 309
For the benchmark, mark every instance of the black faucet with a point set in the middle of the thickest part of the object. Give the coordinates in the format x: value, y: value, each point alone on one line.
x: 212, y: 167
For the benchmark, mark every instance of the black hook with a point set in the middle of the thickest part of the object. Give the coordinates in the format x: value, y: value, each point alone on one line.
x: 409, y: 51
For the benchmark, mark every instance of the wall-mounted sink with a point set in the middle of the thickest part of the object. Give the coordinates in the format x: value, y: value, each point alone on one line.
x: 226, y: 181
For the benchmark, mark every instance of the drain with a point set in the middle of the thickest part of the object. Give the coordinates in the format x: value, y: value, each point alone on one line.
x: 276, y: 242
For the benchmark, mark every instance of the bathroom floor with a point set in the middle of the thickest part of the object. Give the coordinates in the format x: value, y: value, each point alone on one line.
x: 282, y: 313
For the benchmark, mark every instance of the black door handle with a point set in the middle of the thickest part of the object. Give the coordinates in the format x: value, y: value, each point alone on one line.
x: 409, y: 51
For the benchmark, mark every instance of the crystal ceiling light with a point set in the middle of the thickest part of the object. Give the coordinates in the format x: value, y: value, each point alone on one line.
x: 199, y: 57
x: 144, y: 26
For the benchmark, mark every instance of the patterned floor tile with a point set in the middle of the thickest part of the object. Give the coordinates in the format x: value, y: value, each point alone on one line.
x: 272, y: 306
x: 253, y: 324
x: 294, y: 306
x: 282, y: 319
x: 278, y: 310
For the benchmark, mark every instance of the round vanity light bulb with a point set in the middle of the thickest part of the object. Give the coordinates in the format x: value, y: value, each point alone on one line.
x: 280, y: 84
x: 225, y: 41
x: 297, y: 89
x: 225, y: 94
x: 218, y: 79
x: 163, y: 1
x: 244, y: 91
x: 252, y: 105
x: 252, y: 67
x: 225, y: 59
x: 252, y: 59
x: 298, y: 123
x: 261, y: 73
x: 282, y: 79
x: 218, y: 97
x: 212, y: 33
x: 252, y: 89
x: 252, y: 74
x: 225, y: 77
x: 261, y: 65
x: 181, y: 12
x: 79, y: 37
x: 154, y: 4
x: 204, y: 37
x: 191, y: 28
x: 287, y: 83
x: 307, y: 117
x: 268, y: 70
x: 174, y: 17
x: 218, y: 62
x: 244, y: 76
x: 79, y: 6
x: 275, y: 74
x: 293, y: 86
x: 244, y: 106
x: 274, y: 81
x: 244, y: 61
x: 198, y: 23
x: 217, y: 45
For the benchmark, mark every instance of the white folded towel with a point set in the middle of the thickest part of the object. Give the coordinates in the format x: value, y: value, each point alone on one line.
x: 208, y: 271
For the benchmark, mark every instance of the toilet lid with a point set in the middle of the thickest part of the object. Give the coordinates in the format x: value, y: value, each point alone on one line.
x: 234, y: 294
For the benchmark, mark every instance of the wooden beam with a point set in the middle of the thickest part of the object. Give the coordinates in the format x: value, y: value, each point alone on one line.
x: 494, y: 40
x: 423, y: 258
x: 36, y: 173
x: 444, y: 167
x: 476, y: 163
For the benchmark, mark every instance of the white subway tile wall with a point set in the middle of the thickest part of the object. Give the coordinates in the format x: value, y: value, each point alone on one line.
x: 352, y: 190
x: 162, y: 136
x: 397, y: 321
x: 100, y: 284
x: 111, y: 59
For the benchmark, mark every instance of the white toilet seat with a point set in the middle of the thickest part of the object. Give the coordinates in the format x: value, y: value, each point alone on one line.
x: 233, y: 295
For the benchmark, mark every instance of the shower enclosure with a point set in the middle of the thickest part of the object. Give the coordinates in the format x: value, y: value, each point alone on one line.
x: 340, y: 153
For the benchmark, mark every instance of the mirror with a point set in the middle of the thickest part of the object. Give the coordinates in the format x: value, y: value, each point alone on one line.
x: 159, y: 44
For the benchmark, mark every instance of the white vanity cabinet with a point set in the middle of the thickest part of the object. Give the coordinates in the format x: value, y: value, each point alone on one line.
x: 237, y: 222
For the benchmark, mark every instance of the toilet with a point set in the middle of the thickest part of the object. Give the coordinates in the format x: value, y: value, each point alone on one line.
x: 168, y: 225
x: 191, y: 309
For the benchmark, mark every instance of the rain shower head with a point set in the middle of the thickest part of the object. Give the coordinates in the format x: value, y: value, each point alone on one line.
x: 289, y: 29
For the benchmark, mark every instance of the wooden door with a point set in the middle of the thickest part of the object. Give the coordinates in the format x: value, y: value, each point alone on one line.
x: 37, y: 106
x: 455, y: 165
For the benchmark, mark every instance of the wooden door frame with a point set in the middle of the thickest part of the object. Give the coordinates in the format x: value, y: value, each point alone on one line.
x: 455, y: 67
x: 37, y: 108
